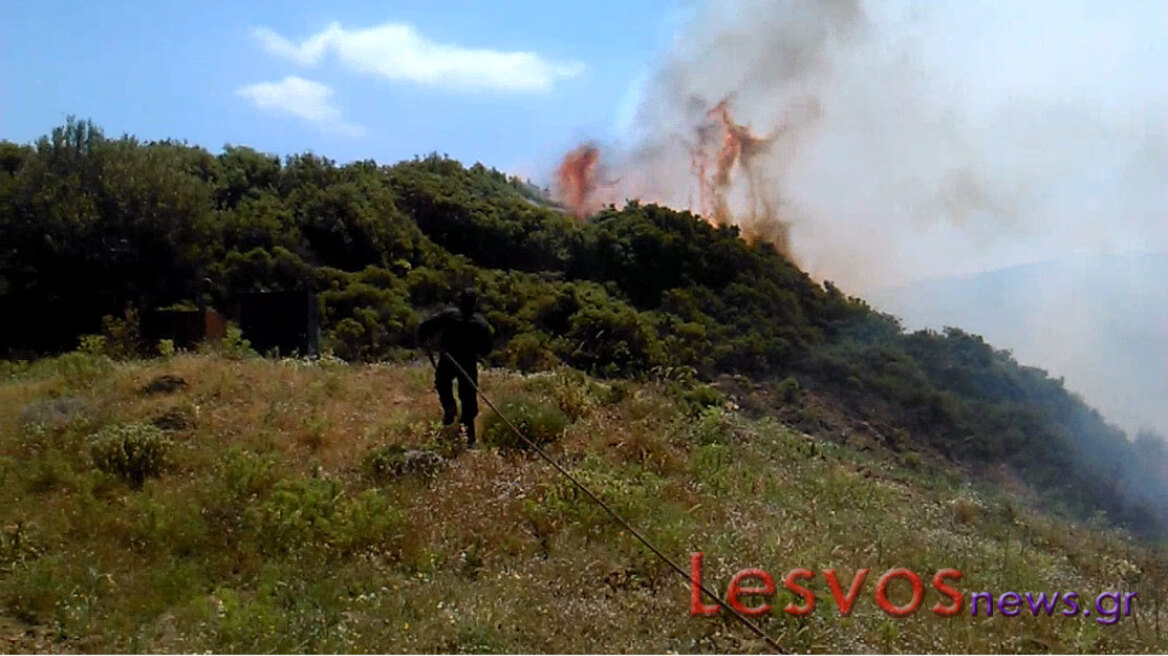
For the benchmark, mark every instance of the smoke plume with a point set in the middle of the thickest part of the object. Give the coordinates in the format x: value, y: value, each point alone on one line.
x: 882, y: 142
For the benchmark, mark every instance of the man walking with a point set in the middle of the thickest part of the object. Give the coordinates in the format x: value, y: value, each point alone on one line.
x: 463, y: 337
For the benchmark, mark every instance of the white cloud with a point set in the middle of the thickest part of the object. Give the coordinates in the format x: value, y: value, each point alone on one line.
x: 306, y: 99
x: 398, y: 53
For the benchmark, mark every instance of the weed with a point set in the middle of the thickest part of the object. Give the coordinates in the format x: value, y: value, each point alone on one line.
x: 699, y: 397
x: 314, y: 433
x: 232, y: 346
x: 315, y: 514
x: 50, y: 471
x: 574, y: 393
x: 133, y: 452
x: 913, y: 460
x: 80, y: 370
x: 168, y: 525
x: 789, y: 389
x: 166, y: 348
x: 538, y: 422
x: 387, y: 462
x: 246, y: 475
x: 92, y: 344
x: 964, y: 511
x: 714, y: 426
x: 710, y: 464
x: 384, y: 463
x: 122, y: 340
x: 33, y: 589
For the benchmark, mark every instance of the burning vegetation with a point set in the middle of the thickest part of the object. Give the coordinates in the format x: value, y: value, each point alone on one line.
x: 576, y: 179
x: 727, y: 161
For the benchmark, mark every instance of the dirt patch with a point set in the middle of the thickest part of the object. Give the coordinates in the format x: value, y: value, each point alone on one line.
x: 164, y: 384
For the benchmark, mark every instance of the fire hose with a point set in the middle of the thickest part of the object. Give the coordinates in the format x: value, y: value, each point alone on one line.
x: 464, y: 377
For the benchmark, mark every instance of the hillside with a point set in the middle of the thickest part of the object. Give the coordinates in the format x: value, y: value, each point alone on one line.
x: 283, y: 517
x: 93, y: 227
x: 93, y: 230
x: 1099, y: 321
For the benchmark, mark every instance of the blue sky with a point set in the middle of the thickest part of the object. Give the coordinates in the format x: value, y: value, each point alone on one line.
x: 233, y: 72
x: 1048, y: 115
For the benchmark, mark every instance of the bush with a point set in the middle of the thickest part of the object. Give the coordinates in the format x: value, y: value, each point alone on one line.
x: 246, y: 475
x: 166, y: 348
x: 574, y: 393
x: 232, y: 346
x: 79, y: 370
x: 384, y: 463
x: 316, y: 515
x: 700, y: 397
x: 92, y: 344
x: 121, y: 335
x: 539, y: 423
x: 789, y: 389
x: 133, y: 452
x: 32, y: 591
x: 714, y: 426
x: 528, y: 352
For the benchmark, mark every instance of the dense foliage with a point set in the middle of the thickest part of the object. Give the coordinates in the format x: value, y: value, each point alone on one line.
x: 90, y: 226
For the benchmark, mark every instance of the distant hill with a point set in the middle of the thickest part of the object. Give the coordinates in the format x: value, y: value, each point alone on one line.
x: 1101, y: 322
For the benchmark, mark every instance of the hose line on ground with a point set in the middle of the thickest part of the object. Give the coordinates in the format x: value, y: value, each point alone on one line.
x: 754, y: 628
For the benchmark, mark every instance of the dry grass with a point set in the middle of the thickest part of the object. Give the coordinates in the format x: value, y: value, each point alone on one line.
x: 265, y: 533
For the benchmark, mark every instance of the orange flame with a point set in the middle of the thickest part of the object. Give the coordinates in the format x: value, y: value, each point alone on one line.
x: 720, y: 148
x: 577, y: 179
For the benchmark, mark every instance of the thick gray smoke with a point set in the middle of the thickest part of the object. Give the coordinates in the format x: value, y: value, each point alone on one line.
x: 917, y: 139
x: 905, y: 140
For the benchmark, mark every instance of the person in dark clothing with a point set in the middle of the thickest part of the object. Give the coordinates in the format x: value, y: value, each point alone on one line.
x: 465, y: 337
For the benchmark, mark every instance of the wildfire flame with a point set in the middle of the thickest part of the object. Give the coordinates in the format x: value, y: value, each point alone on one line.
x: 722, y: 152
x: 577, y: 177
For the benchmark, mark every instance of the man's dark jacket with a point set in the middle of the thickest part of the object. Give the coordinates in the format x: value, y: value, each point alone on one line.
x: 466, y: 339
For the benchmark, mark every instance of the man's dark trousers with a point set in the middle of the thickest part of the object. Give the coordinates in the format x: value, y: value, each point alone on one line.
x: 467, y: 397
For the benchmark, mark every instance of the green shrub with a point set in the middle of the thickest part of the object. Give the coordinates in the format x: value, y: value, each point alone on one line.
x: 233, y: 346
x: 78, y: 369
x: 700, y: 397
x: 92, y: 344
x: 913, y: 460
x: 528, y: 352
x: 133, y: 452
x: 613, y: 392
x: 166, y: 348
x: 384, y: 463
x: 539, y: 423
x: 121, y: 335
x: 576, y: 395
x: 246, y: 475
x: 713, y: 426
x: 49, y: 471
x: 789, y: 389
x: 13, y: 369
x: 316, y: 515
x: 172, y: 524
x: 32, y: 590
x: 711, y: 466
x: 633, y: 492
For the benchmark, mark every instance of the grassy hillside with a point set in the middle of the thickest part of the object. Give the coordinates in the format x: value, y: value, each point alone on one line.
x: 92, y: 228
x: 281, y: 514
